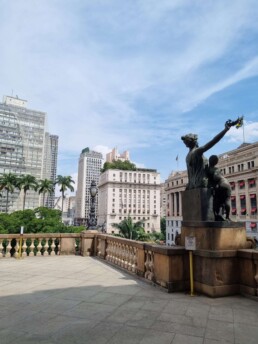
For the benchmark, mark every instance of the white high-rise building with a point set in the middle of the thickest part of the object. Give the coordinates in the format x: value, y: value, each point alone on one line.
x: 90, y: 164
x: 23, y: 148
x: 129, y: 193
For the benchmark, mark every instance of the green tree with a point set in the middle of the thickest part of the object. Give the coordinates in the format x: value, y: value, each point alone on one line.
x: 45, y: 186
x: 130, y: 230
x: 8, y: 182
x: 120, y: 165
x: 65, y: 183
x: 27, y: 182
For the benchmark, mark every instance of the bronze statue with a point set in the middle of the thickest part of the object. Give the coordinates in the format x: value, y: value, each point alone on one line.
x: 202, y: 175
x: 195, y: 160
x: 221, y: 190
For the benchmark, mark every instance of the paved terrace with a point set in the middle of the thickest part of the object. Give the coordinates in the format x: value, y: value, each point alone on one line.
x: 74, y: 299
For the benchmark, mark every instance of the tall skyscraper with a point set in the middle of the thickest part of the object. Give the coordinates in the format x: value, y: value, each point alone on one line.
x: 90, y: 164
x: 24, y: 149
x: 50, y: 164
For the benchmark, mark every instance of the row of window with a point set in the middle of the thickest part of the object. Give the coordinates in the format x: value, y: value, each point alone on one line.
x: 242, y: 183
x: 238, y: 168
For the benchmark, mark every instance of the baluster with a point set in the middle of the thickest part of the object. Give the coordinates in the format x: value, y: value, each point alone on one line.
x: 53, y: 246
x: 112, y: 247
x: 16, y: 248
x: 58, y: 247
x: 1, y: 248
x: 24, y: 247
x: 39, y: 247
x: 8, y: 249
x: 130, y: 258
x: 127, y: 257
x: 123, y: 256
x: 120, y: 254
x: 31, y: 248
x: 146, y: 264
x: 45, y: 248
x: 134, y: 260
x: 108, y: 250
x: 117, y: 254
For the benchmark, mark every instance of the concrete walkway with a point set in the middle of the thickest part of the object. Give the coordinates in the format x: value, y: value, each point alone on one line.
x: 72, y: 299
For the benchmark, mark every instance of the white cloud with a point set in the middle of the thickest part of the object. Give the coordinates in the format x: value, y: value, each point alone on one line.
x: 248, y: 133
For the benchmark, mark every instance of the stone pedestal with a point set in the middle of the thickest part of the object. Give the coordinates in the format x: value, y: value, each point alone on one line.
x: 216, y: 264
x: 215, y: 235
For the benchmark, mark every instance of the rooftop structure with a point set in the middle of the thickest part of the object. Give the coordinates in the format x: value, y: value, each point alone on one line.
x: 114, y: 155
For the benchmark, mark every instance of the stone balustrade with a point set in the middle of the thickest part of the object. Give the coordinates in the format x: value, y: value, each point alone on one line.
x: 165, y: 266
x: 40, y: 244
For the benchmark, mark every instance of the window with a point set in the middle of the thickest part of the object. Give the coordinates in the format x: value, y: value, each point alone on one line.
x: 241, y: 184
x: 243, y: 204
x: 251, y: 183
x: 253, y: 203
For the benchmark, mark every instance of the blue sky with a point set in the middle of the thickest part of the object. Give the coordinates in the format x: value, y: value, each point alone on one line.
x: 134, y: 74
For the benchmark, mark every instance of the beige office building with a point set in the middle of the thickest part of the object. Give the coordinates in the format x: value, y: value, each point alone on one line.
x: 240, y: 167
x: 129, y: 193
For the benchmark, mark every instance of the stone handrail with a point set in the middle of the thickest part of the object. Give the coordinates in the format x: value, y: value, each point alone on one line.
x: 162, y: 265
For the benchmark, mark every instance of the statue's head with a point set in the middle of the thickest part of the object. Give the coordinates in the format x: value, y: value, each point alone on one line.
x: 190, y: 140
x: 213, y: 160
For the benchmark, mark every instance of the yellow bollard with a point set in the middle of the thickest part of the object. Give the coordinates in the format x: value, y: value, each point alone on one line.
x: 191, y: 273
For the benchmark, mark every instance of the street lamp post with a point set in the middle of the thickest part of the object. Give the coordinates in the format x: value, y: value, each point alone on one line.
x: 92, y: 220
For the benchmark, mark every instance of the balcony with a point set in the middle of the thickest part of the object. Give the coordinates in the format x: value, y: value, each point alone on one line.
x: 59, y: 298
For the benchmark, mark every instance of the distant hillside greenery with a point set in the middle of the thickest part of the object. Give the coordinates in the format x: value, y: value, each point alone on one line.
x: 119, y: 165
x: 39, y: 220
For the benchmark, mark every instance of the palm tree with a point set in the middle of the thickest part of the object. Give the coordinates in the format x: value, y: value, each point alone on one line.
x: 27, y: 182
x: 8, y: 182
x: 128, y: 229
x: 65, y: 183
x: 45, y: 186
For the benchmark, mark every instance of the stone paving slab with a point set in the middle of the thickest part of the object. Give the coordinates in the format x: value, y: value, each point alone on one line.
x: 73, y: 299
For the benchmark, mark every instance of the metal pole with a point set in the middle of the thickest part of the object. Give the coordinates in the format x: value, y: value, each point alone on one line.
x: 191, y: 273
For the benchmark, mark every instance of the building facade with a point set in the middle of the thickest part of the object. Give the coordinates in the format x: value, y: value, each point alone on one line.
x: 240, y: 167
x: 23, y: 142
x: 90, y: 164
x: 129, y: 193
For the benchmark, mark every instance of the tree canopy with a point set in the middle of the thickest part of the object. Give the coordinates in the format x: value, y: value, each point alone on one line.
x: 119, y: 165
x: 39, y: 220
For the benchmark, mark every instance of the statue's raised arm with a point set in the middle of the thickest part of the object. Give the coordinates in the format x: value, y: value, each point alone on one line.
x: 195, y: 160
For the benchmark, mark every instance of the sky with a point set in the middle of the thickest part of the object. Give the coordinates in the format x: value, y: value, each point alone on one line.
x: 134, y: 74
